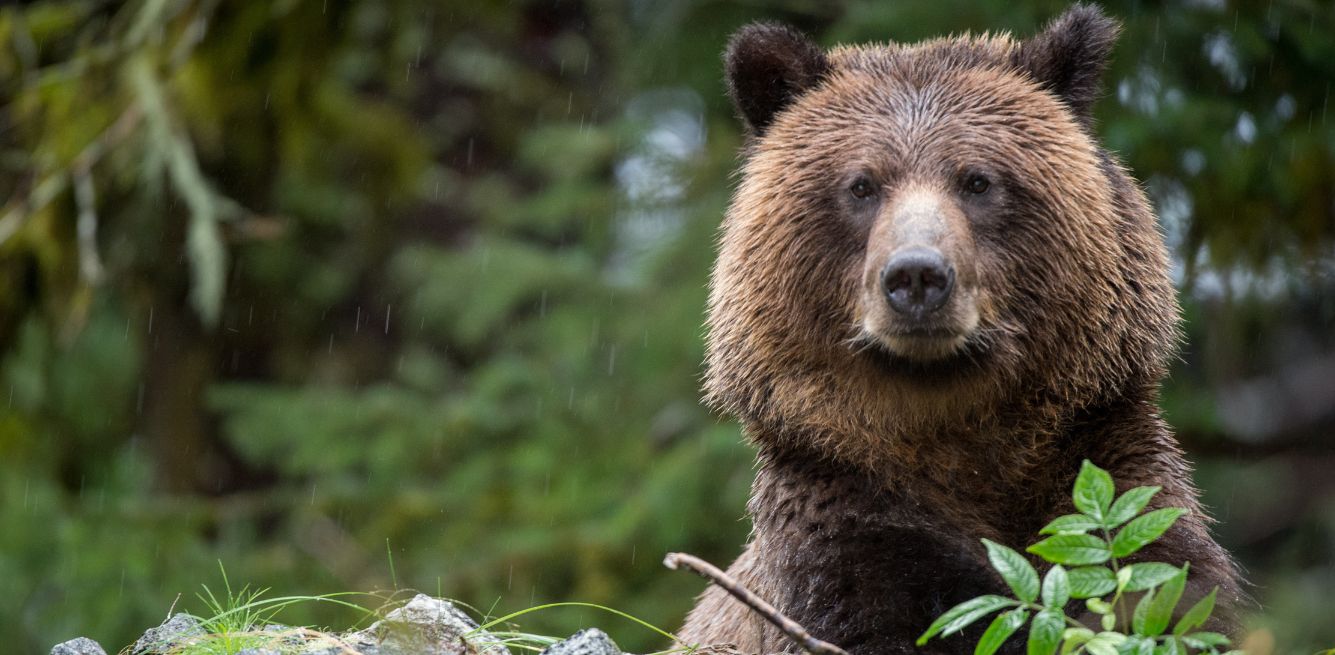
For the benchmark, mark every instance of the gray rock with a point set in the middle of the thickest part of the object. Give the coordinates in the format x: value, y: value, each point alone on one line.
x: 358, y: 650
x: 79, y: 646
x: 591, y: 641
x: 282, y: 638
x: 425, y: 626
x: 172, y: 631
x: 356, y: 642
x: 259, y: 651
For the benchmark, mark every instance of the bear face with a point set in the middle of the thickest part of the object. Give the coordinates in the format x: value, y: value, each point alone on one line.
x: 927, y: 237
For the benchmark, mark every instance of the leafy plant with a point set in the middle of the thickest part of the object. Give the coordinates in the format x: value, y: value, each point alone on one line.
x: 1092, y: 542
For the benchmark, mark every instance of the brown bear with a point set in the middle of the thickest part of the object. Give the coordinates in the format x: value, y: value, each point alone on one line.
x: 935, y: 296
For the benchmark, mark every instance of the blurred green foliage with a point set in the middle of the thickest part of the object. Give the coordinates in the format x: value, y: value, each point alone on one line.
x: 284, y: 284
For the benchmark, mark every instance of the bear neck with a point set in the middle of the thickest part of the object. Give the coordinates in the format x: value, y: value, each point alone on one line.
x: 974, y: 486
x: 981, y: 476
x: 1004, y: 444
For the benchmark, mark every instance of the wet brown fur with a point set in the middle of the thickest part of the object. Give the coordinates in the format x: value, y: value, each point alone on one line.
x: 879, y: 474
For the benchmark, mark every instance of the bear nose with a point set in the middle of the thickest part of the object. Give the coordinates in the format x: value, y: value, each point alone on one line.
x: 917, y: 282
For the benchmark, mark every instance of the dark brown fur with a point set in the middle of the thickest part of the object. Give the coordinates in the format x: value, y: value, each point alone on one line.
x: 884, y: 461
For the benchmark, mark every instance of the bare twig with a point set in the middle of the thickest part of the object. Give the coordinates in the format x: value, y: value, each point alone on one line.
x: 90, y: 263
x: 170, y: 142
x: 14, y: 213
x: 789, y: 627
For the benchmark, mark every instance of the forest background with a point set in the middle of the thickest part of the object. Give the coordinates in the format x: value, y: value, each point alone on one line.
x: 381, y: 294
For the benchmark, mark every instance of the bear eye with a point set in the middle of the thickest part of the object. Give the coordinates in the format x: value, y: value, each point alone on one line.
x: 861, y: 188
x: 977, y: 184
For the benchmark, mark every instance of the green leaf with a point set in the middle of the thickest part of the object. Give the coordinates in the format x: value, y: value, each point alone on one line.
x: 1196, y: 616
x: 1093, y: 491
x: 1140, y: 612
x: 1046, y: 631
x: 1114, y: 638
x: 1056, y: 587
x: 959, y: 616
x: 1136, y: 646
x: 1138, y: 616
x: 1001, y: 629
x: 1099, y: 606
x: 1014, y: 569
x: 1104, y: 643
x: 1074, y: 638
x: 1160, y: 609
x: 1091, y: 581
x: 1147, y: 575
x: 1204, y: 640
x: 1169, y: 647
x: 1072, y: 549
x: 1144, y: 529
x: 1129, y: 504
x: 1071, y: 524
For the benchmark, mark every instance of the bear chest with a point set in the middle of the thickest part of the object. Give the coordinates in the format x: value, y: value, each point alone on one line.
x: 861, y: 567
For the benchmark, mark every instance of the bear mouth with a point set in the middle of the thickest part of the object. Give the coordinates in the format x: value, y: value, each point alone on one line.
x: 964, y: 360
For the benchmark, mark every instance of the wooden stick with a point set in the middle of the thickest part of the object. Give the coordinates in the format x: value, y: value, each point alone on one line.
x: 789, y: 627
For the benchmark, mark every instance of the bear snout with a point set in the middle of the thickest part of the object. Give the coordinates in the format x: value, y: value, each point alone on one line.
x: 917, y: 282
x: 919, y: 297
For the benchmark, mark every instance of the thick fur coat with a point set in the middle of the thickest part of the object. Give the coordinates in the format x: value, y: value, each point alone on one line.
x: 892, y: 440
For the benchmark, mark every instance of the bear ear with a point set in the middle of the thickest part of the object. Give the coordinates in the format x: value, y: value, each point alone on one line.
x: 768, y: 66
x: 1069, y: 57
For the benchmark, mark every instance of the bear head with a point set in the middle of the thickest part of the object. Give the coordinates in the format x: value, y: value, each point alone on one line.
x: 927, y: 237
